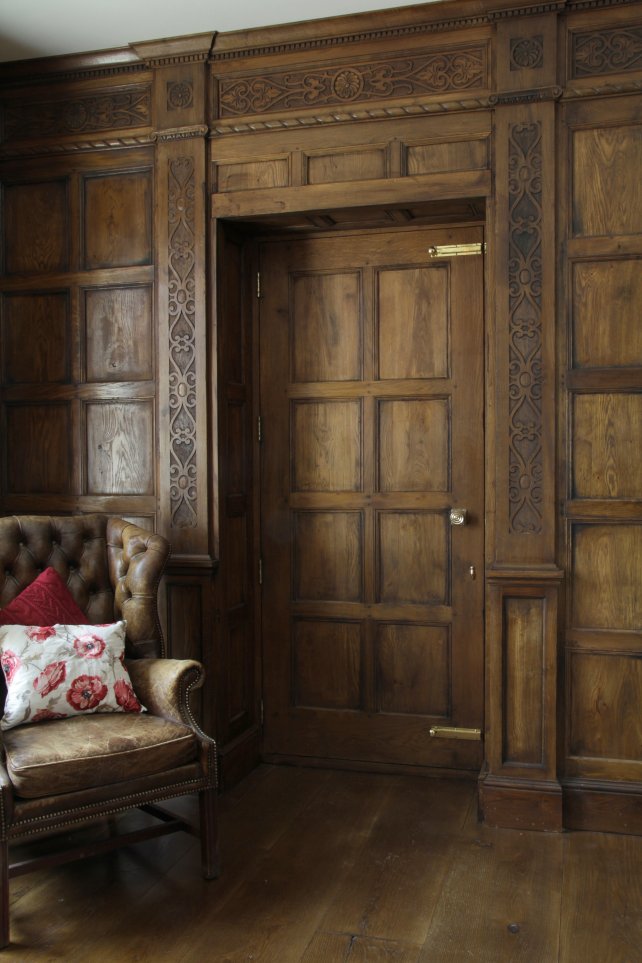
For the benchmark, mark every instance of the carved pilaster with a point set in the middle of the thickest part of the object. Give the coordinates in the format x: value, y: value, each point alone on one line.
x: 181, y: 139
x: 520, y: 787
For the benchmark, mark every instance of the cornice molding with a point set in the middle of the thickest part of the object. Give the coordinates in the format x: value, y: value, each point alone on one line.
x: 177, y: 50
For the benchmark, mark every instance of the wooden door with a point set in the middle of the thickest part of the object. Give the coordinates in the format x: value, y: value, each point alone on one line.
x: 371, y: 388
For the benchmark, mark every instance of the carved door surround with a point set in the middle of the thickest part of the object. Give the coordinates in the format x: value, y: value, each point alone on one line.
x: 526, y: 117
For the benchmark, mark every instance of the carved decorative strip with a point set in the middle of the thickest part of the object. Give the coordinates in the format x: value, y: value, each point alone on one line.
x: 348, y: 115
x: 36, y: 150
x: 112, y: 111
x: 181, y: 262
x: 607, y: 51
x: 525, y: 328
x: 450, y: 71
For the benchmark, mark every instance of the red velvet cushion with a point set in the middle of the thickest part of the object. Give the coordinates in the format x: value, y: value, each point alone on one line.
x: 45, y: 601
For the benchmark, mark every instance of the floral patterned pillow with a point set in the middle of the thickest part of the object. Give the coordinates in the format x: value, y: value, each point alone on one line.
x: 59, y: 671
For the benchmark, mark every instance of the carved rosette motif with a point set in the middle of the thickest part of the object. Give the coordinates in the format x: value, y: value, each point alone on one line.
x: 83, y: 115
x: 182, y: 344
x: 451, y: 71
x: 525, y: 328
x: 180, y: 95
x: 526, y: 53
x: 607, y: 52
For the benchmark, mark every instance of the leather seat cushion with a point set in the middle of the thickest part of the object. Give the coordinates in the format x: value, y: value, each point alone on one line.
x: 68, y: 755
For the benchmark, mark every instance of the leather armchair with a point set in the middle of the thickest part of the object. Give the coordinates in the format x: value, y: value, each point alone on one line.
x: 62, y: 774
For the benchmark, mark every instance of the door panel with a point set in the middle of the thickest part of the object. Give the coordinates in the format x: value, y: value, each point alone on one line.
x: 371, y: 386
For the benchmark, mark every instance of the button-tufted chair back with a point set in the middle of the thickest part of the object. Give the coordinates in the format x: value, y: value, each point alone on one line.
x: 112, y: 569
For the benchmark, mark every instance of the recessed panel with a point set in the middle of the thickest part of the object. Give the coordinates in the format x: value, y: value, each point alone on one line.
x: 355, y: 165
x: 36, y: 228
x: 524, y: 631
x: 120, y: 448
x: 118, y: 334
x: 253, y: 175
x: 328, y: 556
x: 325, y: 329
x: 413, y: 557
x: 606, y: 706
x: 607, y: 576
x: 39, y: 447
x: 39, y: 322
x: 326, y: 664
x: 414, y: 445
x: 463, y: 155
x: 413, y: 322
x: 413, y: 669
x: 118, y: 220
x: 607, y: 188
x: 326, y: 446
x: 606, y: 298
x: 607, y: 440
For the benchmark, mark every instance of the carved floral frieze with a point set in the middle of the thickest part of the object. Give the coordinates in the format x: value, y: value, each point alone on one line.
x: 607, y: 51
x: 437, y: 73
x: 81, y: 115
x: 525, y: 328
x: 181, y: 263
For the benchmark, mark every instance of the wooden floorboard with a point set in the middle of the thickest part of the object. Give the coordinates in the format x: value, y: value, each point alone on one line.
x: 341, y: 867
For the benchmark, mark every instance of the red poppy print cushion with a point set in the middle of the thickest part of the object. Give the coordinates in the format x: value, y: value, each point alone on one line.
x: 45, y: 601
x: 59, y: 671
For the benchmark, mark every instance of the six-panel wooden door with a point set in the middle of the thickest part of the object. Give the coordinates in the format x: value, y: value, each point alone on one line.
x: 371, y: 388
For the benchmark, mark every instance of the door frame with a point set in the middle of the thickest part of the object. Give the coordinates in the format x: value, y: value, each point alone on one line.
x: 256, y: 224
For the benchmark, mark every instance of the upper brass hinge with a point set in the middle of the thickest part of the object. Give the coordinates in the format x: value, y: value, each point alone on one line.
x: 456, y: 250
x: 258, y: 284
x: 259, y: 430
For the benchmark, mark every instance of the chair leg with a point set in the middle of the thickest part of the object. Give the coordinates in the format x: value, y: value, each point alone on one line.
x: 4, y: 894
x: 210, y: 861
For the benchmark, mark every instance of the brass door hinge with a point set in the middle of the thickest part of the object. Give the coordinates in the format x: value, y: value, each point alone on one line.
x: 258, y: 284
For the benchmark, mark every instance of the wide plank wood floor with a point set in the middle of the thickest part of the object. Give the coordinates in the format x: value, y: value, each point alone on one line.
x: 327, y: 867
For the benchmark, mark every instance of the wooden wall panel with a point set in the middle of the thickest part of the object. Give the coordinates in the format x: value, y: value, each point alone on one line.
x: 120, y: 448
x: 117, y: 220
x: 607, y: 194
x: 39, y: 437
x: 462, y: 155
x: 605, y: 298
x: 604, y: 424
x: 352, y: 165
x: 252, y: 175
x: 42, y: 321
x: 36, y: 227
x: 524, y: 665
x: 606, y: 431
x: 118, y: 334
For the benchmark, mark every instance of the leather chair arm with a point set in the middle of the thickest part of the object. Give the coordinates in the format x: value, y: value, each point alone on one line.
x: 164, y: 686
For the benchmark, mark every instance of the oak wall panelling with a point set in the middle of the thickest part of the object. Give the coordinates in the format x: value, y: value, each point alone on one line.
x: 136, y: 186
